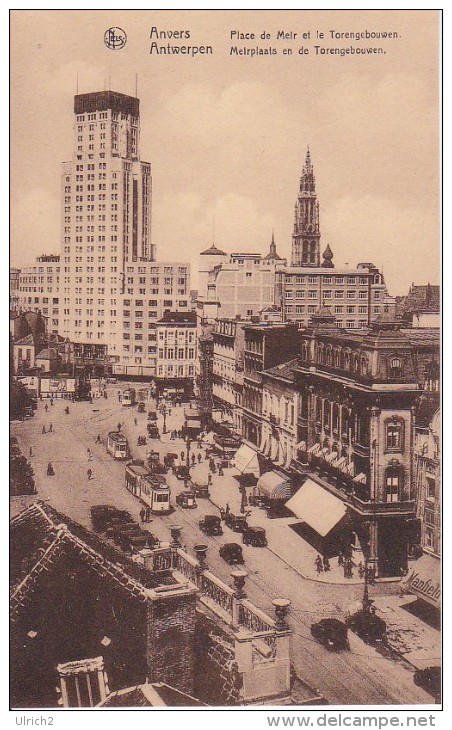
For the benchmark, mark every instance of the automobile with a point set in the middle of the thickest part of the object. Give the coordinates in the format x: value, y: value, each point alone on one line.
x: 255, y: 536
x: 232, y: 553
x: 368, y: 626
x: 123, y: 539
x: 237, y: 523
x: 141, y: 407
x: 211, y: 525
x: 182, y: 472
x: 187, y: 500
x: 332, y: 633
x: 153, y: 431
x: 103, y: 514
x: 111, y: 380
x: 114, y: 532
x: 154, y: 463
x: 152, y: 415
x: 169, y: 459
x: 430, y: 680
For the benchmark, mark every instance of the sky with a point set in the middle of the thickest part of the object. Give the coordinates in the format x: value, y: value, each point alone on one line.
x: 227, y: 135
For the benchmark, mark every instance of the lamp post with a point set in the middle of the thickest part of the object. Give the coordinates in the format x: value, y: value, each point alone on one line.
x: 164, y: 411
x: 188, y: 445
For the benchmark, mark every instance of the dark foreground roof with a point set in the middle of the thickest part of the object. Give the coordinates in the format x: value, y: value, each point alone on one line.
x: 157, y: 694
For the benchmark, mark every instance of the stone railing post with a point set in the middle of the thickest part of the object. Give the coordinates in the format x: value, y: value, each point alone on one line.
x: 200, y: 552
x: 239, y: 577
x: 175, y: 543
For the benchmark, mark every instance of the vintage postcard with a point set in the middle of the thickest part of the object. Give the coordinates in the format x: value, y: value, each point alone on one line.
x: 225, y: 440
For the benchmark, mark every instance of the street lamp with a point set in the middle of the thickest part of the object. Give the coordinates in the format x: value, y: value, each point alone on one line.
x: 164, y: 411
x: 188, y: 444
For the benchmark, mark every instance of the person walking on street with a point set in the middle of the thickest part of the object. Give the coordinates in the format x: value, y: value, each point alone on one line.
x: 199, y: 458
x: 220, y: 471
x: 31, y: 451
x: 228, y: 509
x: 51, y: 401
x: 46, y: 407
x: 326, y: 564
x: 50, y: 470
x: 135, y: 421
x: 148, y: 514
x: 98, y: 440
x: 319, y: 564
x: 119, y: 426
x: 340, y: 558
x: 50, y: 428
x: 193, y: 459
x: 44, y: 429
x: 89, y: 474
x: 142, y: 514
x: 90, y: 456
x: 182, y: 455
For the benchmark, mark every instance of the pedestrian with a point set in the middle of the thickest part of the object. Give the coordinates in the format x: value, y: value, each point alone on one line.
x: 148, y: 514
x: 340, y: 558
x: 89, y: 474
x: 31, y: 451
x: 98, y: 439
x: 50, y: 470
x: 66, y: 410
x: 193, y: 459
x: 50, y: 428
x: 209, y: 480
x: 46, y: 407
x: 211, y: 465
x: 182, y: 455
x: 44, y: 429
x: 51, y: 401
x: 220, y: 471
x: 326, y: 564
x: 135, y: 421
x: 199, y: 442
x: 199, y: 458
x: 361, y: 570
x: 319, y: 564
x: 119, y: 426
x: 142, y: 514
x: 345, y: 569
x: 105, y: 394
x: 228, y: 509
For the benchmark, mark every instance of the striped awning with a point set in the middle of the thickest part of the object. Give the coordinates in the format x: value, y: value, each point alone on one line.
x: 246, y: 460
x: 314, y: 449
x: 351, y: 469
x: 332, y: 456
x: 340, y: 463
x: 360, y: 478
x: 301, y: 446
x: 274, y: 485
x: 325, y: 450
x: 274, y: 450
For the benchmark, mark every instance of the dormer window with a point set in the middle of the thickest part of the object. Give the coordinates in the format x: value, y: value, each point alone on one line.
x: 395, y: 367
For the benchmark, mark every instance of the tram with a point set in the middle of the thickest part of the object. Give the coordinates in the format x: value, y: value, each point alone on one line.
x: 129, y: 397
x: 151, y: 489
x: 117, y: 445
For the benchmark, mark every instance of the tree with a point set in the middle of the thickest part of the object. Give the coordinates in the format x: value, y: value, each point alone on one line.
x: 21, y: 476
x: 20, y: 400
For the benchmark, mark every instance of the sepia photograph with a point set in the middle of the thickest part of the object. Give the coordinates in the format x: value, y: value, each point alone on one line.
x: 224, y: 360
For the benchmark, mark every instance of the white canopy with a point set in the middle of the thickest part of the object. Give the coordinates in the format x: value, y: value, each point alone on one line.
x: 246, y: 460
x: 274, y: 485
x: 314, y: 505
x: 424, y: 579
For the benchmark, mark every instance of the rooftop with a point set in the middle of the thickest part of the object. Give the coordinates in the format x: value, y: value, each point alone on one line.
x: 213, y: 251
x: 178, y: 318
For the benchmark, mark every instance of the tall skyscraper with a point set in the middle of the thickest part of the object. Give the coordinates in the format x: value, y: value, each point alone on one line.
x: 306, y: 230
x: 108, y: 269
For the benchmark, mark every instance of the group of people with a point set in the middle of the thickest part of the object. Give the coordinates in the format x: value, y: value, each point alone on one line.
x: 145, y: 514
x: 176, y: 434
x: 322, y: 564
x: 50, y: 429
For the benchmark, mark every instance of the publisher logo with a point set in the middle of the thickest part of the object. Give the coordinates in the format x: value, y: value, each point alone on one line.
x: 115, y: 39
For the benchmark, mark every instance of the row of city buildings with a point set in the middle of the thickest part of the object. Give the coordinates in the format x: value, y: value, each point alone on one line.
x: 316, y: 367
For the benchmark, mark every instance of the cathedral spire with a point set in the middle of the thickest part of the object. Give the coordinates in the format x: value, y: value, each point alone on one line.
x: 306, y: 232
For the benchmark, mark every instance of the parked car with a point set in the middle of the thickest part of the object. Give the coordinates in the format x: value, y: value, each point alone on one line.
x: 332, y: 633
x: 141, y: 407
x: 152, y: 415
x: 187, y: 500
x: 111, y: 380
x: 430, y: 680
x: 211, y: 525
x: 169, y: 459
x: 255, y: 536
x: 153, y: 431
x: 182, y: 471
x: 237, y: 523
x: 103, y: 514
x: 368, y: 626
x: 154, y: 463
x: 232, y: 553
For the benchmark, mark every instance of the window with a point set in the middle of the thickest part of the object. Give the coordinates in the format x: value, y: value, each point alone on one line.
x: 395, y: 368
x: 431, y: 488
x: 394, y: 436
x: 339, y: 294
x: 392, y: 485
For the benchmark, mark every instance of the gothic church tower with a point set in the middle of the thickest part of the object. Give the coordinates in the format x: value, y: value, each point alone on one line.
x: 306, y: 231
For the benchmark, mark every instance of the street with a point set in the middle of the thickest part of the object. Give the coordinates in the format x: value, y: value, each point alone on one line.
x: 358, y: 676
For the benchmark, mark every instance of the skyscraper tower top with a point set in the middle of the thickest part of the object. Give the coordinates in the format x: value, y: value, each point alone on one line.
x: 99, y: 101
x: 306, y: 230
